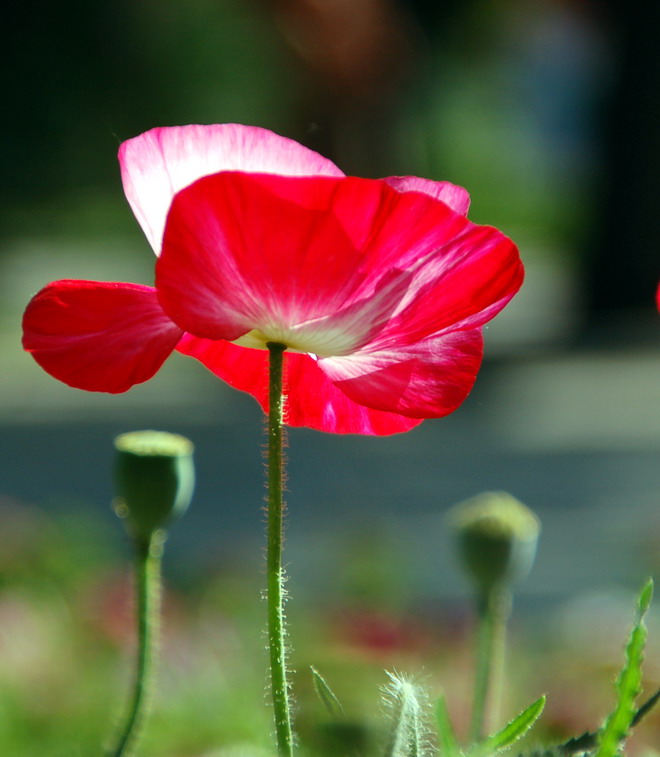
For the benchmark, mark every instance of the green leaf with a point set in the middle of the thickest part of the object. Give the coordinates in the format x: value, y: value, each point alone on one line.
x: 447, y: 740
x: 517, y: 728
x: 643, y: 711
x: 326, y: 694
x: 629, y: 683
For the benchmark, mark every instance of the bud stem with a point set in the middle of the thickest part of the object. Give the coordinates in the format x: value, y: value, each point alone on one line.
x: 493, y: 608
x: 148, y: 553
x: 274, y: 570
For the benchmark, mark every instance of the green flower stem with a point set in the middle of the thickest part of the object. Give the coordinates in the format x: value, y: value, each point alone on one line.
x: 494, y: 608
x: 275, y: 572
x: 148, y: 566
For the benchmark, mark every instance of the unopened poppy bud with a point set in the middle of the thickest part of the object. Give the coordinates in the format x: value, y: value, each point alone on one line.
x: 154, y: 479
x: 497, y: 538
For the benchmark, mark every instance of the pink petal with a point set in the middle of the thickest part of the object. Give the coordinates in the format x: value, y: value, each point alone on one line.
x: 157, y: 164
x: 98, y: 336
x: 456, y: 197
x: 428, y: 379
x: 309, y: 260
x: 312, y: 400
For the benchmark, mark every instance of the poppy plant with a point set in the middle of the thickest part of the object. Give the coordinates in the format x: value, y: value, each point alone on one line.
x: 378, y: 289
x: 343, y: 304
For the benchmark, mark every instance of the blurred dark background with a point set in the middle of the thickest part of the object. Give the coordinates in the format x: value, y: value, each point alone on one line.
x: 547, y: 111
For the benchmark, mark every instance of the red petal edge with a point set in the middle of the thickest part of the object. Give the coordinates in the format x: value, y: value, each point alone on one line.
x: 98, y: 336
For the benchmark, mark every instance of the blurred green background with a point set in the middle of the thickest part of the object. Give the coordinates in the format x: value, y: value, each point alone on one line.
x: 548, y: 112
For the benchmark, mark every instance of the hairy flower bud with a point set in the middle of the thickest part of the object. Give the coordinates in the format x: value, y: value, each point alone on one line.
x: 497, y: 538
x: 154, y: 479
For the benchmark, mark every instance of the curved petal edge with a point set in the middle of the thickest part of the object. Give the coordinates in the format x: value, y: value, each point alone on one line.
x: 98, y: 336
x: 160, y: 162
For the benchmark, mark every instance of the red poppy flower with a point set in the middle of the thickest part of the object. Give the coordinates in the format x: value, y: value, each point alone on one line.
x: 378, y: 288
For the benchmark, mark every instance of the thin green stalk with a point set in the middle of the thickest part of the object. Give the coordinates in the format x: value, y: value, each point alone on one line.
x: 494, y: 607
x: 148, y: 565
x: 275, y: 572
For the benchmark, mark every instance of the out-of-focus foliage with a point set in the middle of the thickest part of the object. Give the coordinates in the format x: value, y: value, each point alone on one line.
x: 66, y: 643
x: 89, y: 75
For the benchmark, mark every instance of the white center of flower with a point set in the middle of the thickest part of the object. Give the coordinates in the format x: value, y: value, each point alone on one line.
x: 307, y: 338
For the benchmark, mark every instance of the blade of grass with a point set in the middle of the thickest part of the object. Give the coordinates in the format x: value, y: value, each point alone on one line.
x: 513, y: 731
x: 447, y: 740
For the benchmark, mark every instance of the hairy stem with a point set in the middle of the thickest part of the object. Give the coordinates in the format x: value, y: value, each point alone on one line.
x: 274, y: 570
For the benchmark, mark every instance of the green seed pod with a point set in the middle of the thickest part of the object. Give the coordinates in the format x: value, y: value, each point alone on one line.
x: 497, y: 538
x: 154, y: 479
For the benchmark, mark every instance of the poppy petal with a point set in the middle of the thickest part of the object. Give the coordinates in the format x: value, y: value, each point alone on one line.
x: 98, y: 336
x: 157, y: 164
x: 428, y: 379
x: 241, y: 367
x: 318, y: 263
x: 315, y: 402
x: 456, y: 197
